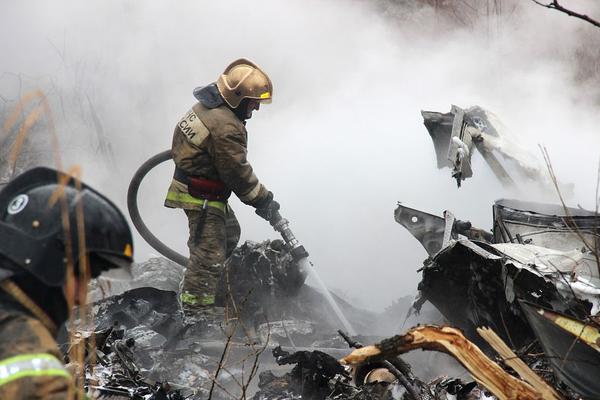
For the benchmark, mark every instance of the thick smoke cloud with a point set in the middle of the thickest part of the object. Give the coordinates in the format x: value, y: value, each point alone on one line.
x: 343, y: 140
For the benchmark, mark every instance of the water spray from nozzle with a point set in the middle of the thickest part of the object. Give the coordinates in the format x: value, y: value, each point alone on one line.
x: 300, y: 254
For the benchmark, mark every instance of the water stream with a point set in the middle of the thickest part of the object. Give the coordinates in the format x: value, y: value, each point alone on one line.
x: 306, y: 265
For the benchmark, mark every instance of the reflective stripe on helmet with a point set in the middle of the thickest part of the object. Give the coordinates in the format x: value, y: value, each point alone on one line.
x: 28, y: 365
x: 189, y: 199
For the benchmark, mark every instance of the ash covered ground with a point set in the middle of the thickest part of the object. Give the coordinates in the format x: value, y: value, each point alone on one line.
x: 143, y: 338
x: 527, y: 326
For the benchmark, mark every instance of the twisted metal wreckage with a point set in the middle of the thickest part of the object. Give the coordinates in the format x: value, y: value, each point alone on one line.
x: 520, y: 302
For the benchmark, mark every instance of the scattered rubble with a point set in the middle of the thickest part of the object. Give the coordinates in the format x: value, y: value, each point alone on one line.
x: 486, y: 372
x: 143, y: 341
x: 271, y: 300
x: 317, y: 375
x: 520, y: 281
x: 151, y: 342
x: 540, y: 261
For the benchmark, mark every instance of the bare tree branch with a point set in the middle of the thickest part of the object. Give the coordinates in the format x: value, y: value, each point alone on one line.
x: 569, y: 220
x: 554, y: 5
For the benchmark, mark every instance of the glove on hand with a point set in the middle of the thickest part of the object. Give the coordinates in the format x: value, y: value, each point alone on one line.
x: 268, y: 209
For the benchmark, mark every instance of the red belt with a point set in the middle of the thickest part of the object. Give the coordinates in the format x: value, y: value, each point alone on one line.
x: 203, y: 188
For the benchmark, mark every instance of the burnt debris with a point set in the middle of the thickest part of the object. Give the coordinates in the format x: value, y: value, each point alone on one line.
x: 529, y: 281
x: 537, y: 267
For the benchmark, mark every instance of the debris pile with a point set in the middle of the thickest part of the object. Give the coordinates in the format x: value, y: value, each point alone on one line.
x: 116, y: 373
x: 317, y: 375
x: 266, y: 302
x: 534, y: 281
x: 528, y: 327
x: 266, y: 279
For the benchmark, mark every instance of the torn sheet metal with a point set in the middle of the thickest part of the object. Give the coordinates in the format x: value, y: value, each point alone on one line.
x: 574, y: 273
x: 565, y: 264
x: 545, y: 225
x: 571, y: 346
x: 435, y: 232
x: 475, y: 283
x: 426, y: 228
x: 471, y: 286
x: 494, y: 275
x: 457, y: 134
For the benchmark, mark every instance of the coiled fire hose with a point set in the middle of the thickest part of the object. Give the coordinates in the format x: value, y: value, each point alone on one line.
x: 280, y: 224
x: 134, y: 211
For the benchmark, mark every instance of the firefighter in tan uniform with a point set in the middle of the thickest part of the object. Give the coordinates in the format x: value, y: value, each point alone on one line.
x: 210, y: 153
x: 33, y: 274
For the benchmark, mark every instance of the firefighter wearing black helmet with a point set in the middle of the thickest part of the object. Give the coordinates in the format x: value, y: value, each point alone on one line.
x: 48, y: 227
x: 210, y: 153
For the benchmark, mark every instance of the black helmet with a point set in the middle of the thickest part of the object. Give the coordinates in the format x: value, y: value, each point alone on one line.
x: 34, y: 210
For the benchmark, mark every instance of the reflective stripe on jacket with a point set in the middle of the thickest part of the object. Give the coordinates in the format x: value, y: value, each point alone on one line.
x: 30, y: 361
x: 29, y: 365
x: 179, y: 197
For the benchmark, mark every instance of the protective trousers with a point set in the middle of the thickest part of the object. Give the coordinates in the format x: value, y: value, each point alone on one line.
x: 214, y: 234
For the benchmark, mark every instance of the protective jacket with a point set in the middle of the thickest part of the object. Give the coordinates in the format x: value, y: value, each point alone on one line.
x: 211, y: 143
x: 30, y: 361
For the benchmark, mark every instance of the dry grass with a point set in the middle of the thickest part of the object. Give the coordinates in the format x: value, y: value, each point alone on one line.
x: 24, y: 121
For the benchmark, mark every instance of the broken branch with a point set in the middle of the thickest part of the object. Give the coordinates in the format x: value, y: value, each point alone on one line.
x: 412, y: 391
x: 554, y: 5
x: 451, y: 341
x: 569, y: 221
x: 513, y: 361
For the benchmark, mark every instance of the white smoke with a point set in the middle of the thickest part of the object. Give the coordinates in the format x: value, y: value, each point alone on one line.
x: 343, y: 140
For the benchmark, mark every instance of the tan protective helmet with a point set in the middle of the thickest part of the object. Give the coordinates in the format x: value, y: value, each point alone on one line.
x: 243, y: 79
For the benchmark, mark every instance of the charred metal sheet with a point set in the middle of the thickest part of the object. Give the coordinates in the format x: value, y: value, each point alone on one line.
x: 571, y: 346
x: 574, y: 273
x: 426, y: 228
x: 476, y: 284
x: 458, y: 133
x: 466, y: 283
x: 545, y: 225
x: 439, y: 126
x: 435, y: 232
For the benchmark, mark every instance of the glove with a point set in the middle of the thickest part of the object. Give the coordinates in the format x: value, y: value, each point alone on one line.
x: 268, y: 209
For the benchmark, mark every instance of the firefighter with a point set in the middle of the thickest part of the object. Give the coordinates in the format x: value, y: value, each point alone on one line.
x: 43, y: 216
x: 209, y: 149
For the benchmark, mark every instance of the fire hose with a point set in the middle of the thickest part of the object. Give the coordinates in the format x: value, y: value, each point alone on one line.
x: 134, y: 211
x: 279, y: 223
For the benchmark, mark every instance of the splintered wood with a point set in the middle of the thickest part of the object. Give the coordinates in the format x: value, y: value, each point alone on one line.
x: 451, y: 341
x: 513, y: 361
